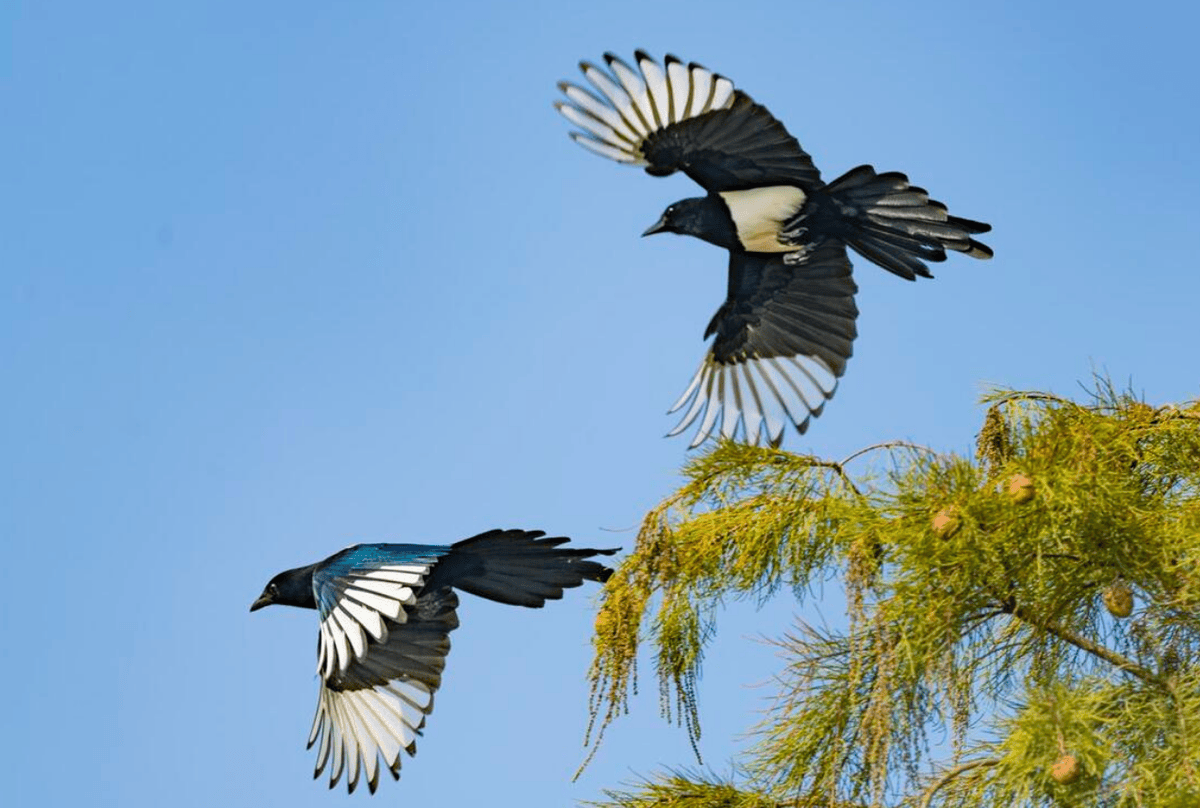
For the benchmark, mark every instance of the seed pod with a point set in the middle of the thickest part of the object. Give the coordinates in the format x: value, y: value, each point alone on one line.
x: 946, y: 522
x: 1118, y: 599
x: 1020, y: 489
x: 1065, y: 769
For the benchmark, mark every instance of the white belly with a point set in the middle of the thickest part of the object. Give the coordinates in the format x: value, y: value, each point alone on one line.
x: 759, y: 213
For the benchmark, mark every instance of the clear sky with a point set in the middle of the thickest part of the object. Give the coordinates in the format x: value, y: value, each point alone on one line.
x: 279, y: 277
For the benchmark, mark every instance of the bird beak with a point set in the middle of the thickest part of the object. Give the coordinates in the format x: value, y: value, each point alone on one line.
x: 658, y: 227
x: 263, y: 600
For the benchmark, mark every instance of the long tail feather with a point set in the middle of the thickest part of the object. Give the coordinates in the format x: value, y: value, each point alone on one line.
x: 518, y: 567
x: 897, y: 225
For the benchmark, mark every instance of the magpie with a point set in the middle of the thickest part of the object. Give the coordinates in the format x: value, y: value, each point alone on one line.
x: 787, y: 326
x: 386, y: 613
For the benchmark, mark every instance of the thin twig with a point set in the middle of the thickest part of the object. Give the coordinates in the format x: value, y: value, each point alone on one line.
x: 894, y: 444
x: 1083, y: 643
x: 833, y: 465
x: 950, y: 775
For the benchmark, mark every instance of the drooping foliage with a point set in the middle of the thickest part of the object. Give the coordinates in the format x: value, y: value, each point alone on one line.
x: 1039, y: 602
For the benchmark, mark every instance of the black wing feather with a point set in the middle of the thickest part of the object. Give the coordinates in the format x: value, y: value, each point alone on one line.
x: 774, y: 309
x: 783, y: 334
x: 415, y: 649
x: 732, y: 149
x: 683, y: 118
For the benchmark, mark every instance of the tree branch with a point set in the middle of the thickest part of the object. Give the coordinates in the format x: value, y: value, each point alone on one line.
x: 892, y: 444
x: 1084, y: 644
x: 960, y: 769
x: 837, y: 468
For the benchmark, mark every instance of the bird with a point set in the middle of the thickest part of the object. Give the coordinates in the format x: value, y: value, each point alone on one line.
x: 783, y: 335
x: 386, y: 612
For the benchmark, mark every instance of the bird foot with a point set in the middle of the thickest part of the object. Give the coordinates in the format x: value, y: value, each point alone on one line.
x: 793, y: 236
x: 798, y: 256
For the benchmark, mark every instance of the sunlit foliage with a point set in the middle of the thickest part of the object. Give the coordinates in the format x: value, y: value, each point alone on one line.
x: 1039, y: 603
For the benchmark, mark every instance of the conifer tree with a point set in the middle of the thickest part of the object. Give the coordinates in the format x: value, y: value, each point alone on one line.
x: 1039, y: 602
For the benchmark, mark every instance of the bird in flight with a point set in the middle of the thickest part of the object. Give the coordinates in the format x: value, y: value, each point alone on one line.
x: 787, y: 326
x: 386, y: 613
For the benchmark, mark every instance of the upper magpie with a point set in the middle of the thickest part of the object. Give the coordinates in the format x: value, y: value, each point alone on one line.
x: 386, y: 614
x: 787, y: 325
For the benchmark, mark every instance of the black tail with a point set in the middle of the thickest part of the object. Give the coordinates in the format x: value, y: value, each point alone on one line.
x: 517, y: 567
x: 897, y: 225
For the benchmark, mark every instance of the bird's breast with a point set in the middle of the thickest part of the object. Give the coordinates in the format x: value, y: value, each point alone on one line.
x: 759, y: 214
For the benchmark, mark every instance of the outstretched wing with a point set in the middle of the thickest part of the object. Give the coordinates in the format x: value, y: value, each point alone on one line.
x: 382, y: 647
x: 783, y: 336
x: 387, y: 611
x: 683, y: 118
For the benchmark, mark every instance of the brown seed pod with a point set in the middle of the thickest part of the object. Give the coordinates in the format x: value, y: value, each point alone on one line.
x: 946, y: 522
x: 1118, y: 599
x: 1065, y: 769
x: 1020, y: 489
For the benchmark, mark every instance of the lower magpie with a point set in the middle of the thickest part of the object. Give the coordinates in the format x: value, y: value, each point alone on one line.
x: 787, y: 325
x: 386, y: 614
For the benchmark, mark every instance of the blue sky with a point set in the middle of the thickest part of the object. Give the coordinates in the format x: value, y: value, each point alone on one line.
x: 280, y: 277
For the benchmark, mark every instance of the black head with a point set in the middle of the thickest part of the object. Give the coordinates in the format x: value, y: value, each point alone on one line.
x: 291, y: 588
x: 705, y: 217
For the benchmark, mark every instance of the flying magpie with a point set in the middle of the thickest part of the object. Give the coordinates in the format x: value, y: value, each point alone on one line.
x: 787, y: 325
x: 386, y: 614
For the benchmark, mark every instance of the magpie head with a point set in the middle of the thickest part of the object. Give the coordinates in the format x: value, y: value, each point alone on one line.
x: 705, y: 217
x: 291, y: 588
